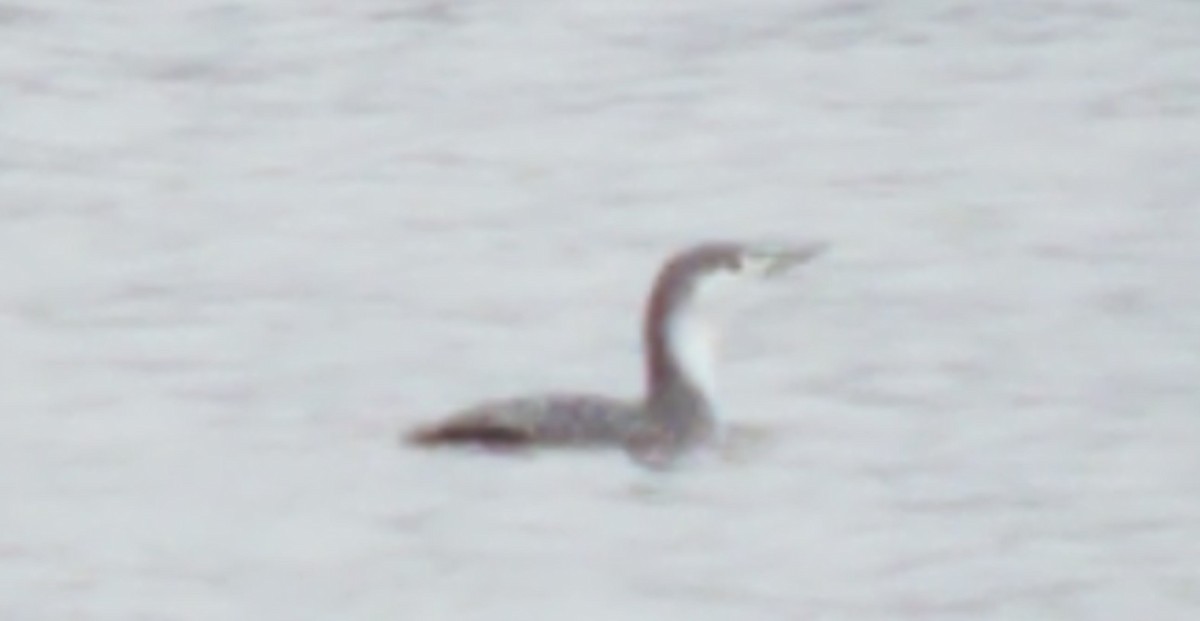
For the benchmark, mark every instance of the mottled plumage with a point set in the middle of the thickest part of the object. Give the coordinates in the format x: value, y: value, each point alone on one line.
x: 560, y: 420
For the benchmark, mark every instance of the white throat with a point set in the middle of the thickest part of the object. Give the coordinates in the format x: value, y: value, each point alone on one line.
x: 692, y: 333
x: 691, y: 338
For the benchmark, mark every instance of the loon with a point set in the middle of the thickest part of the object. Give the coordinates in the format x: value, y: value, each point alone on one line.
x: 676, y: 415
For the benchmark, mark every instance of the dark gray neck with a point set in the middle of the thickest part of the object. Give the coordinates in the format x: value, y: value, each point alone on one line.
x: 673, y: 397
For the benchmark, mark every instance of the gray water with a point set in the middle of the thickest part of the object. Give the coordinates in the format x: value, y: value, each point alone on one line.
x: 244, y: 244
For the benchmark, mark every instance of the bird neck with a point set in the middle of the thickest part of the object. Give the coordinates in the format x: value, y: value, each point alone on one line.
x: 679, y: 348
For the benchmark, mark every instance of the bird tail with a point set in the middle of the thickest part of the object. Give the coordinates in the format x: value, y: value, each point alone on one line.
x: 477, y: 433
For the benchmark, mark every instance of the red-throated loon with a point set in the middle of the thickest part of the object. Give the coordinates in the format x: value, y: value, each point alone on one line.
x: 675, y: 415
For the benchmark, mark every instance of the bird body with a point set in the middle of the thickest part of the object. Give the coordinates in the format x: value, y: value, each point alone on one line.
x: 676, y: 414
